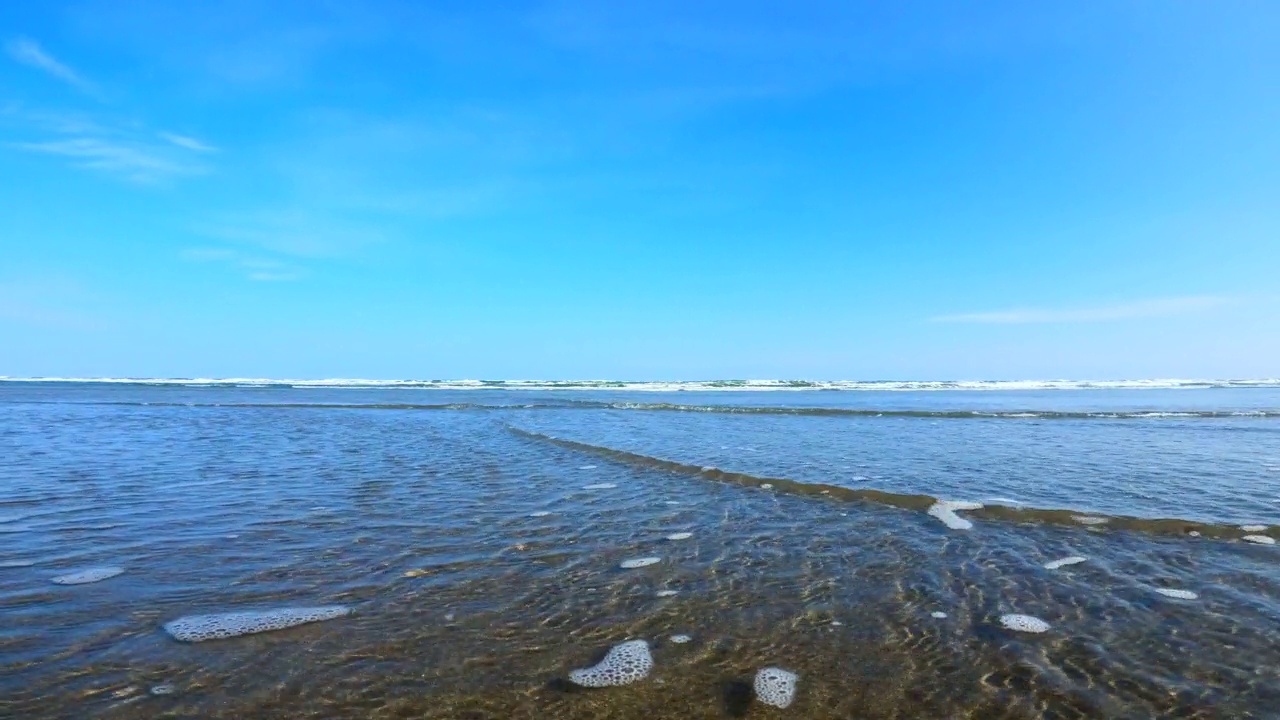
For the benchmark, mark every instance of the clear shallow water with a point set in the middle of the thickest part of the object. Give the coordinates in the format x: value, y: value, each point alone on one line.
x: 217, y: 499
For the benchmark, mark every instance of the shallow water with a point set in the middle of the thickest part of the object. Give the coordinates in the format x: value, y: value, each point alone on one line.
x: 417, y: 509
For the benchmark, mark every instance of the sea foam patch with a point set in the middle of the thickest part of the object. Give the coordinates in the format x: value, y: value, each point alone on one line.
x: 199, y: 628
x: 776, y: 687
x: 680, y: 536
x: 945, y: 510
x: 633, y: 563
x: 1071, y: 560
x: 1253, y: 528
x: 624, y: 664
x: 91, y: 575
x: 1178, y: 594
x: 680, y: 639
x: 1090, y: 519
x: 600, y: 486
x: 1259, y: 539
x: 1024, y: 623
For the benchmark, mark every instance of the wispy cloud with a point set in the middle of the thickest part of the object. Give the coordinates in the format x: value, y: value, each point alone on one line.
x: 138, y: 162
x: 28, y: 52
x: 253, y: 267
x: 190, y: 143
x: 294, y: 232
x: 1157, y: 307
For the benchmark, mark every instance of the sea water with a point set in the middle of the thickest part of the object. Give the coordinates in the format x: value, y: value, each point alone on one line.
x: 452, y: 520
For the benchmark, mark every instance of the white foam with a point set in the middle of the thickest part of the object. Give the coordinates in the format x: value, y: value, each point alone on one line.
x: 938, y: 614
x: 16, y: 563
x: 1253, y: 528
x: 668, y: 593
x: 1259, y: 539
x: 199, y: 628
x: 92, y: 575
x: 685, y: 385
x: 600, y: 486
x: 625, y: 664
x: 634, y: 563
x: 1024, y: 623
x: 1072, y: 560
x: 1194, y: 533
x: 163, y: 690
x: 1090, y: 519
x: 680, y: 639
x: 587, y: 467
x: 776, y: 687
x: 945, y: 510
x: 540, y: 513
x: 1176, y: 593
x: 766, y: 486
x: 680, y: 536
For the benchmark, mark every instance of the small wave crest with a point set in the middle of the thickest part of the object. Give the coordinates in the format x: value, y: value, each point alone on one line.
x: 907, y: 501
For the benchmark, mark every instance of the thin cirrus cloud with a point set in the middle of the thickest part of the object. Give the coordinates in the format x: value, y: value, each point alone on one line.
x: 1153, y: 308
x: 137, y: 162
x: 185, y: 141
x: 253, y: 267
x: 28, y: 52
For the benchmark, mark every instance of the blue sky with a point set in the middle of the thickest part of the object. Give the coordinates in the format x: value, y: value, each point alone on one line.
x: 640, y: 190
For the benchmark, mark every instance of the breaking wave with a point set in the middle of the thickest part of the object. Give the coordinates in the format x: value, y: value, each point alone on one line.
x: 680, y: 385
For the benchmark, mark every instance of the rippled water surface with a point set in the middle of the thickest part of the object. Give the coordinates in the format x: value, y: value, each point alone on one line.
x: 459, y: 528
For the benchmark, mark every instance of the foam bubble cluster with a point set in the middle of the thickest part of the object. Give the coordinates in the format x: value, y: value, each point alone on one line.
x: 600, y: 486
x: 1259, y: 539
x: 938, y: 614
x: 680, y: 536
x: 766, y: 486
x: 1024, y: 623
x: 634, y: 563
x: 91, y: 575
x: 163, y: 690
x: 1072, y: 560
x: 680, y: 639
x: 1253, y: 528
x: 1090, y: 519
x: 945, y: 510
x: 1176, y: 593
x: 587, y: 467
x: 668, y: 593
x: 625, y: 664
x: 540, y: 513
x: 776, y: 687
x: 199, y: 628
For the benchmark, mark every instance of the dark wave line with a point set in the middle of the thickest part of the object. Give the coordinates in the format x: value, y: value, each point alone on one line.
x: 938, y: 414
x: 906, y: 501
x: 721, y: 409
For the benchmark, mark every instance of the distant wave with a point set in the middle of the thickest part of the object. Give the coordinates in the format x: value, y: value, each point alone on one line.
x: 680, y: 386
x: 907, y: 501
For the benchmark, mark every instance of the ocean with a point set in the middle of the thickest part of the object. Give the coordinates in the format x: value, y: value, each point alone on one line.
x: 873, y: 538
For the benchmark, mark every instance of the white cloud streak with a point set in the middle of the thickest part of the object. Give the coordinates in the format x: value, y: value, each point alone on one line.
x: 137, y: 162
x: 28, y: 52
x: 254, y: 268
x: 1139, y: 309
x: 190, y: 143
